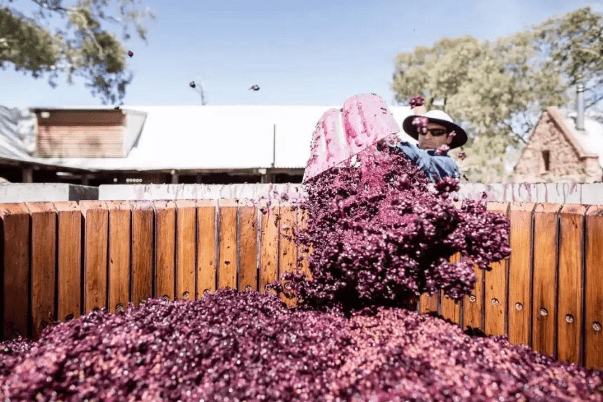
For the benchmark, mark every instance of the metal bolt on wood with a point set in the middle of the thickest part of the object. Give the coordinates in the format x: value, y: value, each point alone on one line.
x: 472, y: 299
x: 543, y: 311
x: 569, y: 318
x: 518, y: 306
x: 495, y: 302
x: 596, y: 326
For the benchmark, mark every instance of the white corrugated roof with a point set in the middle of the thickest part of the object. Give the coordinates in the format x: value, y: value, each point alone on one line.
x: 219, y: 137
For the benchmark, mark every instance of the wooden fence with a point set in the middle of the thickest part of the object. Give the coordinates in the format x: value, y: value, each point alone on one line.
x: 61, y: 260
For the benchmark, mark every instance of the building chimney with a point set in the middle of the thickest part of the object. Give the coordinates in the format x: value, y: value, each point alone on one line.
x: 580, y: 105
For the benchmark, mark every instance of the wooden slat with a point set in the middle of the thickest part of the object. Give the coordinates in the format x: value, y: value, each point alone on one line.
x: 227, y: 266
x: 520, y: 267
x: 43, y: 264
x: 206, y: 243
x: 545, y: 278
x: 593, y: 313
x: 287, y: 248
x: 495, y: 304
x: 69, y: 266
x: 269, y: 244
x: 165, y: 249
x: 96, y: 243
x: 248, y: 240
x: 186, y: 227
x: 120, y: 225
x: 142, y: 251
x: 303, y: 252
x: 473, y: 304
x: 451, y: 309
x: 14, y: 245
x: 569, y: 320
x: 429, y: 303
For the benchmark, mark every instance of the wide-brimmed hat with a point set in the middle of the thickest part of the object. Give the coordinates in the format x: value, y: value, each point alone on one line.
x: 437, y: 116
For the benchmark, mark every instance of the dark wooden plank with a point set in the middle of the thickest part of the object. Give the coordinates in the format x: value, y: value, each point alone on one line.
x: 186, y: 228
x: 544, y: 308
x: 269, y: 244
x: 569, y: 320
x: 593, y: 313
x: 15, y: 239
x: 495, y: 304
x: 142, y: 251
x: 520, y: 272
x: 120, y: 224
x: 303, y: 252
x: 227, y: 265
x: 287, y: 248
x: 207, y: 248
x: 69, y: 257
x: 96, y: 244
x: 248, y: 239
x: 165, y: 249
x: 43, y: 264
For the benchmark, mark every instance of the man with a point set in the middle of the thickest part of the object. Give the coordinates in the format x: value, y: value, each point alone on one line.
x: 436, y: 133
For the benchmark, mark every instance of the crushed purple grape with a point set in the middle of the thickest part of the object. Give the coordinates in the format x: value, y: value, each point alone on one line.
x: 416, y: 101
x: 233, y: 346
x: 381, y: 236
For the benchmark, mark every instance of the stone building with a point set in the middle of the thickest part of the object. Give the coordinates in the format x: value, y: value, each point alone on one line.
x: 564, y: 147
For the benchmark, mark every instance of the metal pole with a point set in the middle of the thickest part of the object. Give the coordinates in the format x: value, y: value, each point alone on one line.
x: 580, y: 106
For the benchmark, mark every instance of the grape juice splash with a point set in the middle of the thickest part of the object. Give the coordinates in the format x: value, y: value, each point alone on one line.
x: 380, y: 235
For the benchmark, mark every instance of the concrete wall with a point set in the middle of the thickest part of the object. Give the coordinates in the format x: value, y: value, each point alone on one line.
x: 562, y: 193
x: 39, y: 192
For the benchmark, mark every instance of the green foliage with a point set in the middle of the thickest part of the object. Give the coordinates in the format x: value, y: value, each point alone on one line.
x: 498, y: 90
x: 84, y: 48
x: 573, y: 46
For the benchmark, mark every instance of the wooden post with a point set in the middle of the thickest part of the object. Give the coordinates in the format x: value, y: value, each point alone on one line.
x: 120, y: 237
x: 227, y: 264
x: 95, y: 217
x: 186, y: 253
x: 495, y: 305
x: 165, y: 249
x: 15, y: 240
x: 269, y: 244
x: 520, y: 272
x: 43, y: 265
x: 69, y: 262
x: 248, y: 246
x: 142, y: 251
x: 206, y: 247
x: 544, y: 309
x: 593, y: 314
x: 569, y: 319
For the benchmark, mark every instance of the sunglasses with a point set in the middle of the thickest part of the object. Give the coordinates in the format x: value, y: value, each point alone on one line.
x: 436, y: 132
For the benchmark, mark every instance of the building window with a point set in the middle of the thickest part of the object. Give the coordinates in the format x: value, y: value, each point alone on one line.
x: 546, y: 156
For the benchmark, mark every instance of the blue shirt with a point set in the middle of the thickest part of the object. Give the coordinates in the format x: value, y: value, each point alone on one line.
x: 432, y: 165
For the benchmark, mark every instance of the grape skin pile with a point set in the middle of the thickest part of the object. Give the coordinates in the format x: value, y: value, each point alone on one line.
x: 232, y: 346
x: 379, y: 237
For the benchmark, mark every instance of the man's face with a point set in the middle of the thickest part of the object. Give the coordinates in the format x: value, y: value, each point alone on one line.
x: 430, y: 141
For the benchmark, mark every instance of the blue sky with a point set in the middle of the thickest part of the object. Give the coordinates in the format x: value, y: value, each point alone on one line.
x: 299, y: 52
